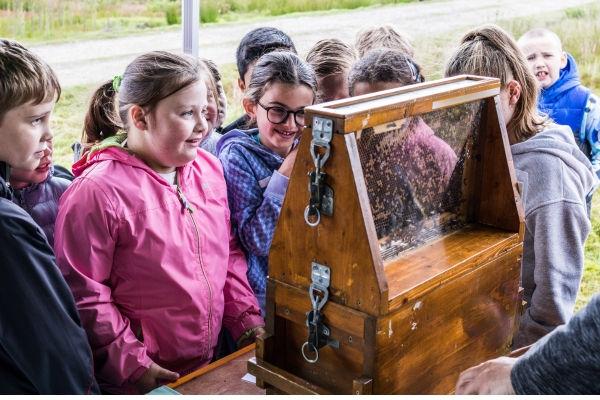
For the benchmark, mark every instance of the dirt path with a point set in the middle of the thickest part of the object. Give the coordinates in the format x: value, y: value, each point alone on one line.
x: 94, y: 61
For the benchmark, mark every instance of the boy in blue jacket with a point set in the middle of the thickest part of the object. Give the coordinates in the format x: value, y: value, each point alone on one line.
x: 563, y: 97
x: 43, y: 349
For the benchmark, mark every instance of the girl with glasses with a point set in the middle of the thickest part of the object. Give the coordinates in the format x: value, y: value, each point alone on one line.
x: 257, y: 163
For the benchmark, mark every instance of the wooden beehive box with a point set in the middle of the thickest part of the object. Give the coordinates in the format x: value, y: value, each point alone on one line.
x: 422, y: 260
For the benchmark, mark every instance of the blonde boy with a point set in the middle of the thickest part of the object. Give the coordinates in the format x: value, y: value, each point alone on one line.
x: 382, y: 36
x: 563, y: 97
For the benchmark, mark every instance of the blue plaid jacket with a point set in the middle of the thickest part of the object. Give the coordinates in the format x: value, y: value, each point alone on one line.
x: 255, y: 192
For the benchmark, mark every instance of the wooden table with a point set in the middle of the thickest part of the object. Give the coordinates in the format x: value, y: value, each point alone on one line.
x: 221, y: 377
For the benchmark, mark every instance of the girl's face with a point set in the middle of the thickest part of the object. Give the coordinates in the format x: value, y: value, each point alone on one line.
x: 280, y: 137
x: 174, y: 130
x: 212, y: 114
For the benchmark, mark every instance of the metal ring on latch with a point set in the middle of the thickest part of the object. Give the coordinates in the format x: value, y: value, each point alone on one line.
x: 306, y: 358
x: 306, y: 217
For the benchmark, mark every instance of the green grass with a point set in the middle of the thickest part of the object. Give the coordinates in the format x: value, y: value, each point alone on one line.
x: 579, y: 29
x: 35, y: 21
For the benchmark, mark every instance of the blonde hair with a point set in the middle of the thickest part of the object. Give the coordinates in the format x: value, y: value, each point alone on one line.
x: 541, y: 32
x: 489, y: 51
x: 331, y: 57
x: 387, y: 36
x: 211, y: 77
x: 25, y: 78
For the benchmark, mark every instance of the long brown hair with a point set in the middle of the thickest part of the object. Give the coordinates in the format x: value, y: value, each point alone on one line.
x: 147, y: 80
x: 489, y: 51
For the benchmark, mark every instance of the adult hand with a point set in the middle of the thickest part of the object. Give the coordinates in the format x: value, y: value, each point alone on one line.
x: 288, y: 163
x: 155, y: 376
x: 251, y: 339
x: 490, y: 377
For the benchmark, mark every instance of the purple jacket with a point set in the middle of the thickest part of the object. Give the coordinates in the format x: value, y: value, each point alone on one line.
x: 40, y: 200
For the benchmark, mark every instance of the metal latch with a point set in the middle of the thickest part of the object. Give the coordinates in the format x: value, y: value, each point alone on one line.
x: 321, y: 195
x: 318, y: 332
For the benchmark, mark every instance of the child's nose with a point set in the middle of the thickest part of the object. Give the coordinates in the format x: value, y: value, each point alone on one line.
x: 48, y: 134
x: 201, y: 125
x: 290, y: 122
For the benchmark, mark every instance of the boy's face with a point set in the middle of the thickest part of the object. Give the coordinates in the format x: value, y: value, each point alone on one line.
x: 361, y: 88
x: 544, y: 57
x: 20, y: 179
x: 24, y: 132
x: 332, y: 87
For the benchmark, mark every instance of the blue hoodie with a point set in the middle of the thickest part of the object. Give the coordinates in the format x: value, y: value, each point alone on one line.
x: 255, y: 192
x: 565, y: 100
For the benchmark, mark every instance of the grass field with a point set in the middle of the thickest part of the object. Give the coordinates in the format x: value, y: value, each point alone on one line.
x: 35, y: 21
x: 579, y: 29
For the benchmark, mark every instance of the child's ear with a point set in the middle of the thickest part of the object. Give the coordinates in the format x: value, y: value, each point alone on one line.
x: 137, y: 115
x: 563, y: 60
x: 514, y: 91
x: 241, y: 85
x: 249, y: 107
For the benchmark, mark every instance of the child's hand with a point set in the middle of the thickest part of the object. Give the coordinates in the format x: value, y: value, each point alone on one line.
x: 288, y: 163
x: 155, y: 376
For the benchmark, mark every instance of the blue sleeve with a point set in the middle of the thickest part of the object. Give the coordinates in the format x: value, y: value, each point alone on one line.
x: 253, y: 212
x: 591, y: 126
x: 43, y: 348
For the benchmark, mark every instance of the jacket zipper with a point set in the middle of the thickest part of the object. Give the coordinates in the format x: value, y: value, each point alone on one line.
x: 191, y: 210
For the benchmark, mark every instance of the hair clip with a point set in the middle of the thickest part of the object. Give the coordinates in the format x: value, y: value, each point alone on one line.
x: 117, y: 82
x: 413, y: 69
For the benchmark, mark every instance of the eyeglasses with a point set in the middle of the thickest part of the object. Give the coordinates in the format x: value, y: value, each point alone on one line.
x: 278, y: 115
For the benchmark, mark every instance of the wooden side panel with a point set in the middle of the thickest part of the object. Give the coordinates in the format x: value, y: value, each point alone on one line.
x: 421, y: 270
x: 500, y: 203
x: 340, y: 242
x: 422, y: 347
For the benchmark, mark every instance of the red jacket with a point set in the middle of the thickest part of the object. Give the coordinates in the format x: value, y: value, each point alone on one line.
x: 153, y: 276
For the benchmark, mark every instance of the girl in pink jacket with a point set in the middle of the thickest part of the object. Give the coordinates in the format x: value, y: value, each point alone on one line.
x: 143, y: 235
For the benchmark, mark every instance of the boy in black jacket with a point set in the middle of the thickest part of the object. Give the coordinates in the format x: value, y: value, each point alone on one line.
x: 43, y: 349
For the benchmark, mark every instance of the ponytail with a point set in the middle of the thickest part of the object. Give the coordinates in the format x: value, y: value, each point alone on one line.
x: 147, y: 80
x: 101, y: 120
x: 489, y: 51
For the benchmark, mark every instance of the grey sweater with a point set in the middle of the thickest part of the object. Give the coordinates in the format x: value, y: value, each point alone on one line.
x: 556, y: 177
x: 567, y: 361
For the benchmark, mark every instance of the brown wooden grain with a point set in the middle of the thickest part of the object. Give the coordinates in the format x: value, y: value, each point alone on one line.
x: 282, y: 379
x: 362, y: 385
x: 500, y: 204
x: 336, y: 368
x: 412, y: 273
x: 339, y: 242
x: 424, y: 345
x: 221, y: 377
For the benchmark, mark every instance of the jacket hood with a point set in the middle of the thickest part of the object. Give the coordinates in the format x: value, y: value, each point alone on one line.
x: 34, y: 192
x: 568, y: 79
x: 245, y: 140
x: 558, y: 141
x: 5, y: 190
x: 111, y: 150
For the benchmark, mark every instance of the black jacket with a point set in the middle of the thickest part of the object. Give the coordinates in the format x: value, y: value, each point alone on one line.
x: 43, y: 349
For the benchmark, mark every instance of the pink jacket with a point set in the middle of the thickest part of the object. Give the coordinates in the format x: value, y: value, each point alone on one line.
x: 153, y: 275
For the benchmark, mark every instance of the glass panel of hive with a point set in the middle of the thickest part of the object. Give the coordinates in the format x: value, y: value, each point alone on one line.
x: 417, y: 171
